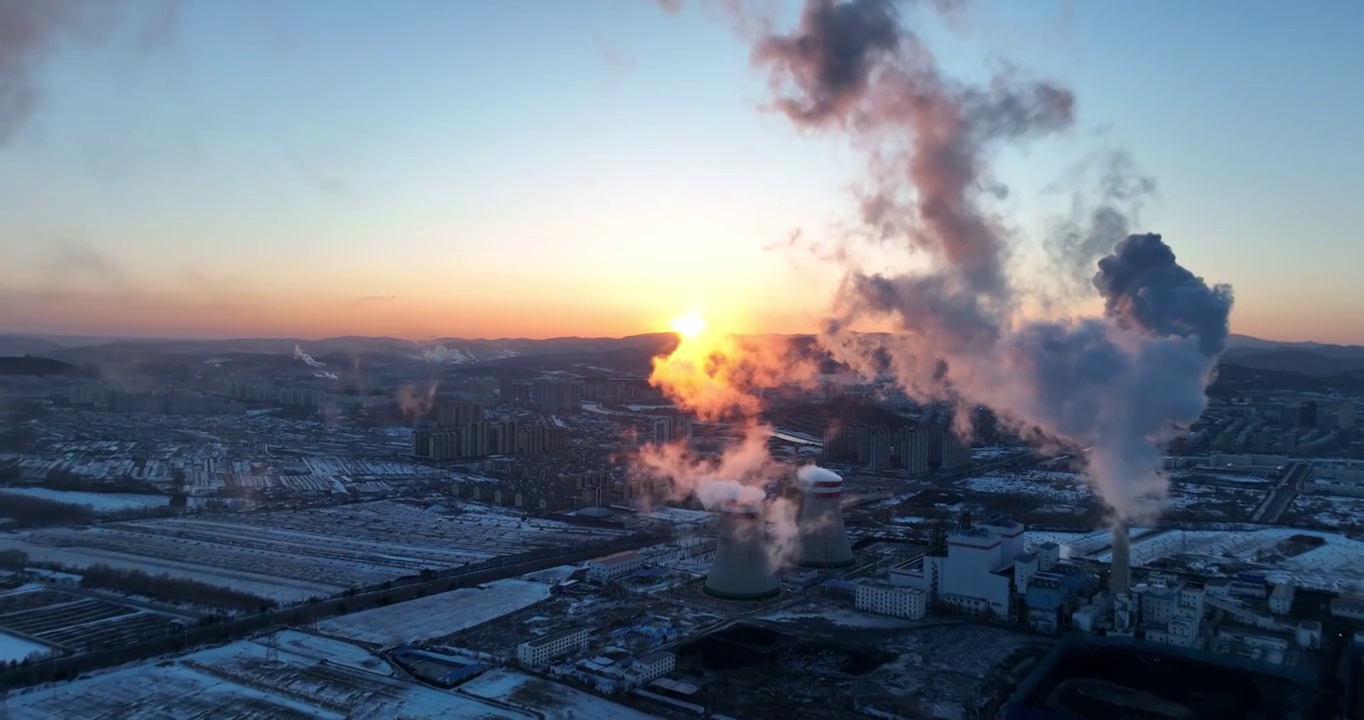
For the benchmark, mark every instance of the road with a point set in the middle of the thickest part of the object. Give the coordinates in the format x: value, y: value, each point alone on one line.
x: 1282, y: 495
x: 64, y: 668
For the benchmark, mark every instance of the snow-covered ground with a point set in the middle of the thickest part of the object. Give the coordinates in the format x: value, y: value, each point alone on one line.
x: 837, y: 615
x: 242, y: 681
x: 1326, y: 511
x: 1057, y: 487
x: 99, y: 502
x: 16, y: 648
x: 1336, y: 565
x: 438, y: 615
x: 1198, y: 475
x: 552, y: 576
x: 550, y: 700
x: 339, y: 652
x: 1080, y: 544
x: 292, y: 555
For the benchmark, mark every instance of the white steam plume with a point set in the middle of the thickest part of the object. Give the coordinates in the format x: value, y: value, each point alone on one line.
x: 1123, y: 384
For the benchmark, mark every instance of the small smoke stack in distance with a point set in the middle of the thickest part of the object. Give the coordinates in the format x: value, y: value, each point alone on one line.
x: 823, y: 538
x: 741, y: 570
x: 1120, y: 577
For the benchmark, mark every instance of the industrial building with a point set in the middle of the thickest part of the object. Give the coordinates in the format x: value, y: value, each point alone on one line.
x: 652, y: 667
x: 741, y: 569
x: 823, y: 537
x: 614, y: 566
x: 883, y: 598
x: 538, y: 652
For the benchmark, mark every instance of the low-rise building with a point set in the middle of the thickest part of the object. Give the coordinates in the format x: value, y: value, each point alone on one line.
x: 1350, y: 607
x: 654, y: 666
x: 614, y: 566
x: 1281, y: 598
x: 538, y: 652
x: 886, y: 599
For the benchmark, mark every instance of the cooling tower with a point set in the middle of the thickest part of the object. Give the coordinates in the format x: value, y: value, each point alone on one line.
x: 740, y: 570
x: 1120, y: 572
x: 823, y: 540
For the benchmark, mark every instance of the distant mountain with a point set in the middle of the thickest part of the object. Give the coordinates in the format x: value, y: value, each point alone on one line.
x: 1306, y: 362
x: 1242, y: 344
x: 35, y: 366
x: 20, y: 345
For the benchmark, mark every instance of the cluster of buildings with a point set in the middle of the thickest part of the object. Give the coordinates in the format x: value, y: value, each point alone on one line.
x: 154, y: 400
x: 619, y: 666
x: 264, y: 390
x: 459, y: 429
x: 914, y: 451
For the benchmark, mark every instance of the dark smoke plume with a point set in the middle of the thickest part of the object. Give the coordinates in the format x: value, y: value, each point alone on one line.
x: 1122, y: 385
x: 30, y: 29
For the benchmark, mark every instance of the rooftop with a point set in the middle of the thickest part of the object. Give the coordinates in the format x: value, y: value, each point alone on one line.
x: 619, y: 558
x: 555, y: 637
x: 655, y: 658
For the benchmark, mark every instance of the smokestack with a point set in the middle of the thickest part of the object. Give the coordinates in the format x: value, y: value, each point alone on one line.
x: 823, y: 539
x: 741, y: 570
x: 1120, y: 572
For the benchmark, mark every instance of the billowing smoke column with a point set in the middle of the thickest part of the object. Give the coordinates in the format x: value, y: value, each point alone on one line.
x: 1122, y: 384
x: 741, y: 569
x: 823, y: 539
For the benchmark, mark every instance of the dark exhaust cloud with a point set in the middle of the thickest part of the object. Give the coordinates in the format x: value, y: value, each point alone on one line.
x: 31, y: 29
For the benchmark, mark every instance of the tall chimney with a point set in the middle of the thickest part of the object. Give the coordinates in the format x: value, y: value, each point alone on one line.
x: 1120, y: 572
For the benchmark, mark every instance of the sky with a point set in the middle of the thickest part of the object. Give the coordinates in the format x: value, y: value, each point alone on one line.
x: 540, y: 168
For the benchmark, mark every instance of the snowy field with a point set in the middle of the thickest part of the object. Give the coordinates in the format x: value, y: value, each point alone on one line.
x: 548, y: 700
x: 293, y: 555
x: 1338, y: 513
x: 839, y: 615
x: 1056, y: 487
x: 437, y: 615
x: 15, y: 649
x: 1222, y: 477
x: 242, y: 682
x: 1337, y: 565
x: 552, y: 576
x: 99, y: 502
x: 1217, y: 502
x: 1079, y: 545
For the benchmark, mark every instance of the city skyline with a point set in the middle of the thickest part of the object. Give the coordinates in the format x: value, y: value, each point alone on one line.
x: 603, y: 169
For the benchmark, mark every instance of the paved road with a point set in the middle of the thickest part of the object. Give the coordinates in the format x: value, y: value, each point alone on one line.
x: 1282, y: 495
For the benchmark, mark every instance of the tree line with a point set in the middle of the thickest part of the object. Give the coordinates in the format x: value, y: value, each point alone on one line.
x: 171, y: 589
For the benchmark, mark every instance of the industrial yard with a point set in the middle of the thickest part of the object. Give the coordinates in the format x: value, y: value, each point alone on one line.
x: 290, y: 556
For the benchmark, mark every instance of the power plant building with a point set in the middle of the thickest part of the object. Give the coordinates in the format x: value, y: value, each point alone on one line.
x: 538, y: 652
x: 741, y: 570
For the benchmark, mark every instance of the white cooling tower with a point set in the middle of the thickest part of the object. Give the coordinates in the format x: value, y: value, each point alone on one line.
x: 823, y: 539
x: 1120, y: 571
x: 741, y: 570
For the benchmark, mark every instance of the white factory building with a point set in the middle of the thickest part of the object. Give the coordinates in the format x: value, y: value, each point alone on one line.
x: 538, y: 652
x: 614, y: 566
x: 884, y: 598
x: 976, y: 576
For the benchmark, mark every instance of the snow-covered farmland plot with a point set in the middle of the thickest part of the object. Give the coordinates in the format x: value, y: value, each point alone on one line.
x: 1337, y: 564
x: 1040, y: 485
x: 98, y: 502
x: 242, y: 681
x: 292, y: 555
x: 1213, y: 502
x: 1326, y: 511
x: 437, y: 615
x: 547, y: 699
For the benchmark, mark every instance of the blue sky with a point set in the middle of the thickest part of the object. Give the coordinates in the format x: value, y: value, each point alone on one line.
x: 598, y: 167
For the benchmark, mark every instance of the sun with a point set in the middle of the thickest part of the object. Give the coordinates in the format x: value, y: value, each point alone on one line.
x: 689, y: 325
